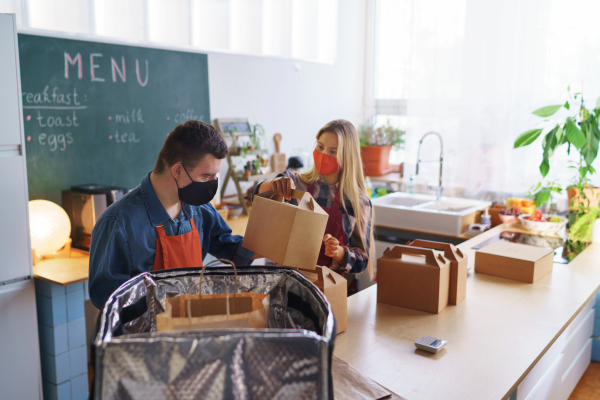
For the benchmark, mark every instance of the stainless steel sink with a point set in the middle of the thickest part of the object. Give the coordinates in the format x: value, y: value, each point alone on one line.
x: 421, y: 212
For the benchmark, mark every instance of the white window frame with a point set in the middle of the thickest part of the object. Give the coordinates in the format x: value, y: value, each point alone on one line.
x: 371, y: 105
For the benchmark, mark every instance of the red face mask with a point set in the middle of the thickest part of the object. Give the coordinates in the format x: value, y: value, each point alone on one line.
x: 325, y: 164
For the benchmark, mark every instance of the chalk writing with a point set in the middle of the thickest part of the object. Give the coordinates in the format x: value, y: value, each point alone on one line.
x: 52, y: 121
x: 56, y: 141
x: 186, y: 116
x: 97, y: 64
x: 126, y: 137
x: 130, y: 117
x: 55, y: 97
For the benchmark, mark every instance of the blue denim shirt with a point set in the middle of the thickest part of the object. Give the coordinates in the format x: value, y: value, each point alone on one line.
x: 124, y: 238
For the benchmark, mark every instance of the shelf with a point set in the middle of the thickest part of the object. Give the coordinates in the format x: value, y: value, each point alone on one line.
x: 256, y: 178
x: 249, y: 153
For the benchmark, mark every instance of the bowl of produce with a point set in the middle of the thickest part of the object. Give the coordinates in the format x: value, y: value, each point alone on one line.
x: 509, y: 215
x: 538, y: 222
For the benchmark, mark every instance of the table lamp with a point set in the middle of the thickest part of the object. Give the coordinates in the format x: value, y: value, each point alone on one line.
x: 50, y: 230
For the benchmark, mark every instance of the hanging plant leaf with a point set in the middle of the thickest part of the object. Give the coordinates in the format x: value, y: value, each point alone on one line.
x: 590, y: 150
x: 527, y: 137
x: 574, y: 135
x: 542, y: 197
x: 547, y: 111
x: 566, y: 105
x: 560, y: 136
x: 545, y: 167
x: 550, y: 143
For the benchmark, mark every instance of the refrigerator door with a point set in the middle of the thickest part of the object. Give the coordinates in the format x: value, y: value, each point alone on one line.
x: 14, y: 231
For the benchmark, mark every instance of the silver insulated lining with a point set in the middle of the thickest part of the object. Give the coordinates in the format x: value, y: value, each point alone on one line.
x: 291, y: 360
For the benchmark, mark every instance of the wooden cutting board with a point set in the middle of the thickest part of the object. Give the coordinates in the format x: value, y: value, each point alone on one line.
x: 278, y: 160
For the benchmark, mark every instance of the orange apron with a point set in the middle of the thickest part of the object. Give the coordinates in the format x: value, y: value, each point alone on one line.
x: 178, y: 251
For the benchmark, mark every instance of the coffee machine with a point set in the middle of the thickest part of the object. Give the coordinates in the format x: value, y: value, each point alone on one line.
x: 85, y: 204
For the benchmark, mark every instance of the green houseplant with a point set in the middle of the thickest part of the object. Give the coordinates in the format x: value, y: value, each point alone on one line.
x: 579, y: 131
x: 587, y: 227
x: 375, y: 147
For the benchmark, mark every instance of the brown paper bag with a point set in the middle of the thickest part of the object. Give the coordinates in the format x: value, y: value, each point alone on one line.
x: 214, y: 311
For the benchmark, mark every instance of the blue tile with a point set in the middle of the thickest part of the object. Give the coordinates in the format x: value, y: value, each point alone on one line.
x: 75, y: 305
x: 596, y: 349
x: 56, y: 392
x: 78, y: 361
x: 596, y: 327
x: 76, y: 329
x: 48, y: 289
x: 53, y: 340
x: 55, y: 369
x: 79, y: 387
x: 74, y: 287
x: 51, y: 311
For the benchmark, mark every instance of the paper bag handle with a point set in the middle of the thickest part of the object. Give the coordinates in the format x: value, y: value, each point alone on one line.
x: 398, y: 250
x: 202, y: 277
x: 189, y: 299
x: 296, y: 194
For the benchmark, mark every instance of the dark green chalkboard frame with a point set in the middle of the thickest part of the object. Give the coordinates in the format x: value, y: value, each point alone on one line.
x: 83, y: 115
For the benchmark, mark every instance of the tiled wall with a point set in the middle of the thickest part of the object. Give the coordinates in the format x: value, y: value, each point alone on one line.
x: 61, y: 325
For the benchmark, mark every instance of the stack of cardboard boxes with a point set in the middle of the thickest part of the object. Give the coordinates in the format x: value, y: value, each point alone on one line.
x: 422, y: 275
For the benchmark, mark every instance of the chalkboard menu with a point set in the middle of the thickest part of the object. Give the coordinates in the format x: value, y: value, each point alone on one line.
x: 99, y: 113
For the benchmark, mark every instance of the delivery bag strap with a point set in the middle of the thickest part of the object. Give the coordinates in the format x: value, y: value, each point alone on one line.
x: 430, y: 256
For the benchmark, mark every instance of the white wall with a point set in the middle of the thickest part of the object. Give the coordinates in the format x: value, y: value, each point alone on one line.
x: 292, y: 97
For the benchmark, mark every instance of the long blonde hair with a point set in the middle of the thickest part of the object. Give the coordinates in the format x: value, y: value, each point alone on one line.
x: 352, y: 179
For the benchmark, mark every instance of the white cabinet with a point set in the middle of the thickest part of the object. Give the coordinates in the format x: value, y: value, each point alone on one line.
x: 10, y: 132
x: 19, y: 346
x: 556, y: 374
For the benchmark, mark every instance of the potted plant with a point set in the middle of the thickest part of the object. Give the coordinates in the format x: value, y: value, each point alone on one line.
x: 375, y: 147
x: 587, y: 227
x: 579, y: 131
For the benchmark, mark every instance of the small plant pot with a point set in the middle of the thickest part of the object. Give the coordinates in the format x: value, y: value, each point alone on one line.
x: 592, y: 195
x: 376, y: 160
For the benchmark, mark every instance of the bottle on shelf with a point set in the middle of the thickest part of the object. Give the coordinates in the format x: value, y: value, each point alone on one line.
x: 369, y: 186
x: 410, y: 185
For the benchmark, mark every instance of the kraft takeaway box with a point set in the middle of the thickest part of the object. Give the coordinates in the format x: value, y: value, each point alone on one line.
x: 458, y: 268
x: 287, y: 234
x: 335, y: 288
x: 515, y: 261
x: 413, y: 277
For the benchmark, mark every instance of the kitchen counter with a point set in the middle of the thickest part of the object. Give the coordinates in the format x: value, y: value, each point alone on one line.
x: 496, y: 336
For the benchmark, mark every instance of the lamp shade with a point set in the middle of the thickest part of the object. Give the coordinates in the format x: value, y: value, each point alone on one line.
x: 49, y: 225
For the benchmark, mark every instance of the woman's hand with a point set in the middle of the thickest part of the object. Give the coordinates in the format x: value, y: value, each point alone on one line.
x: 283, y: 186
x: 333, y: 248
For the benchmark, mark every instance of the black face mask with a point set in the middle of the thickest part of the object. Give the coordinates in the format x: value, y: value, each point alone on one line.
x: 197, y: 193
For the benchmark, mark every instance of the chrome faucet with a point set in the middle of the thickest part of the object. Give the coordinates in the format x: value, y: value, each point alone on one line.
x: 438, y: 189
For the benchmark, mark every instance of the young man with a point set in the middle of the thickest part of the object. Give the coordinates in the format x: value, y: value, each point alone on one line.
x: 167, y: 221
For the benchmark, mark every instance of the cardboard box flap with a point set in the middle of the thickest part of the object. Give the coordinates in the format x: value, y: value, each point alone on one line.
x: 451, y: 252
x: 305, y: 200
x: 516, y: 250
x: 431, y: 258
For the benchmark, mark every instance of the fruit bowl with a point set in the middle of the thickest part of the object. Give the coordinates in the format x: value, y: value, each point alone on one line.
x: 542, y: 226
x: 509, y: 219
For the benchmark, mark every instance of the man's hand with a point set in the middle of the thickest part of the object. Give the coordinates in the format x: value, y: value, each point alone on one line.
x: 333, y: 248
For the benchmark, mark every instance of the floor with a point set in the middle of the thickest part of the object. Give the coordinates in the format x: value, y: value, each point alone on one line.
x: 588, y: 387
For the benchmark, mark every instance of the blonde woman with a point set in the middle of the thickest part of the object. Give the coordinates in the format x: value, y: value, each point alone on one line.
x: 337, y: 174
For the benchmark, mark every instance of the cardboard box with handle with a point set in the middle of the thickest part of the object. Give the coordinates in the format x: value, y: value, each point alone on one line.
x: 287, y: 234
x: 413, y: 277
x: 458, y: 267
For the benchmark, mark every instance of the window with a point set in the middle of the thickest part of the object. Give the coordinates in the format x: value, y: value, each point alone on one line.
x: 301, y: 29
